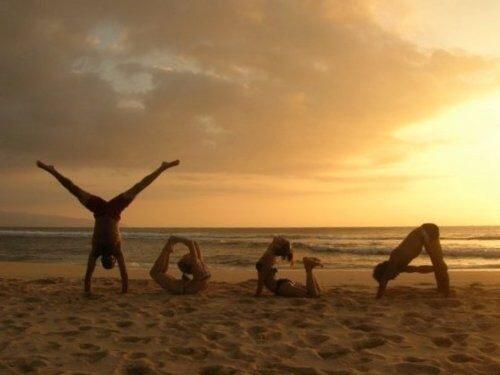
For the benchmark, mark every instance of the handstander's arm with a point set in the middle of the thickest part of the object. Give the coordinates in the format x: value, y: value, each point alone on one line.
x: 123, y: 271
x: 260, y: 284
x: 88, y: 274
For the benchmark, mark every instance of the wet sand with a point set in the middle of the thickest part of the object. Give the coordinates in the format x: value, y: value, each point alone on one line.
x: 48, y: 326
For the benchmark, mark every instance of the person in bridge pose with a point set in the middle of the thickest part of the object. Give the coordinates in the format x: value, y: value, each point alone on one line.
x: 427, y: 235
x: 106, y: 240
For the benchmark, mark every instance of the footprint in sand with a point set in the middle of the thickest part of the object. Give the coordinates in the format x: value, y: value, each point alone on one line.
x: 91, y: 356
x: 319, y: 306
x: 139, y: 367
x: 414, y: 359
x: 219, y: 370
x: 442, y: 342
x: 484, y: 325
x: 478, y: 306
x: 416, y: 368
x: 214, y: 336
x: 135, y: 339
x: 369, y: 343
x: 488, y: 348
x: 333, y: 352
x: 285, y: 349
x: 89, y: 346
x: 168, y: 313
x: 29, y: 365
x: 137, y: 355
x: 317, y: 339
x: 283, y: 369
x: 69, y: 333
x: 124, y: 323
x: 393, y: 338
x: 459, y: 337
x: 257, y: 332
x: 33, y: 300
x: 52, y: 345
x: 4, y: 345
x: 440, y: 303
x: 461, y: 358
x: 365, y: 327
x: 192, y: 352
x: 261, y: 334
x: 340, y: 372
x: 247, y: 301
x: 84, y: 328
x: 235, y: 352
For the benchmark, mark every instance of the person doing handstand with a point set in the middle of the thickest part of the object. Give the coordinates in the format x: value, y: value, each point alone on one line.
x: 106, y: 240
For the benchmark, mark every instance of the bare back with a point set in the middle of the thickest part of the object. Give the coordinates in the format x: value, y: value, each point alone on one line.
x: 106, y: 233
x: 409, y: 249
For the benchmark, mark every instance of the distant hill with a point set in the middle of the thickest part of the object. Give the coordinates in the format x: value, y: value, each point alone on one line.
x: 22, y: 219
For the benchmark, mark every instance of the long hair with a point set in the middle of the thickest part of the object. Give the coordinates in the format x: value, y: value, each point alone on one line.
x: 379, y: 270
x: 283, y: 249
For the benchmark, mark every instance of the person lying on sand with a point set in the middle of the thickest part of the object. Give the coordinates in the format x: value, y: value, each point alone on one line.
x: 106, y: 240
x: 280, y: 247
x: 190, y: 264
x: 426, y: 236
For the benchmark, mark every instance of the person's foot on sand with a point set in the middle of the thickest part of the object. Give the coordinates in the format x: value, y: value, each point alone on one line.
x: 170, y: 164
x: 44, y: 166
x: 310, y: 263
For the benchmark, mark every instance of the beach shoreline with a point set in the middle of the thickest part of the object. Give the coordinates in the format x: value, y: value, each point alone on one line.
x: 327, y: 277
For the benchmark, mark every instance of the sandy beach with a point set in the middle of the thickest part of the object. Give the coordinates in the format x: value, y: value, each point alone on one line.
x: 48, y: 326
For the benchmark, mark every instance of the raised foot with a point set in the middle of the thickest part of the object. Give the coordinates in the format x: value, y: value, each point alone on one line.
x: 311, y: 262
x: 170, y: 164
x: 44, y: 166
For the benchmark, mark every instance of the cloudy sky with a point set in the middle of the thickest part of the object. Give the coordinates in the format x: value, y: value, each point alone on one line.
x: 283, y: 113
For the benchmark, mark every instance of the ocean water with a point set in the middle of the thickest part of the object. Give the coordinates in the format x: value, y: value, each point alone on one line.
x: 341, y: 248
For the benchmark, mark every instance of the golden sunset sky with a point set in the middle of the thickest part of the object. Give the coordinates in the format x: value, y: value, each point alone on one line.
x: 283, y: 113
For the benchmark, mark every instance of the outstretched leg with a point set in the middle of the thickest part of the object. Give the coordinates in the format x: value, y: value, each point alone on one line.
x: 433, y: 248
x: 84, y: 197
x: 121, y: 201
x: 312, y: 285
x: 432, y: 245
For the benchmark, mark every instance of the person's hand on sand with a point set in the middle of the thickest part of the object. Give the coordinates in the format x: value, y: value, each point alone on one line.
x: 170, y: 164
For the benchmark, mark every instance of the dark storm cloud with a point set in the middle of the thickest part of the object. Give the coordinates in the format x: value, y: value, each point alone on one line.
x: 246, y: 87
